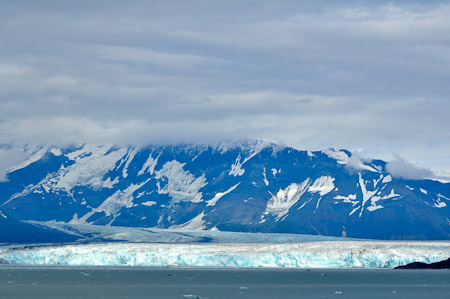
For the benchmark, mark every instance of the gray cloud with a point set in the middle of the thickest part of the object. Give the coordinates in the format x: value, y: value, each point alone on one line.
x: 312, y: 75
x: 9, y: 157
x: 400, y: 168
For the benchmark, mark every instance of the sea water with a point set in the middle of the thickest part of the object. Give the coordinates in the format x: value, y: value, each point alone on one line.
x: 142, y: 282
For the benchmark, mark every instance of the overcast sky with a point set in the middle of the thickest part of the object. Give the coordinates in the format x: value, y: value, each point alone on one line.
x: 368, y: 76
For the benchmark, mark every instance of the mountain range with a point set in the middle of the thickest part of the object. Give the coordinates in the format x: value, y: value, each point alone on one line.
x: 247, y: 186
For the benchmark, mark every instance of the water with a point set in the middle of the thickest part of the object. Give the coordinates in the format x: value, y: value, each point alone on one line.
x: 110, y: 282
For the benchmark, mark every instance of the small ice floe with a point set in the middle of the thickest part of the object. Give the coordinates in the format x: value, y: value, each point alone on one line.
x: 243, y: 288
x: 338, y: 293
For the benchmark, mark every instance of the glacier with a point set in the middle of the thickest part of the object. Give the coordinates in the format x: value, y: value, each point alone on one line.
x: 321, y: 254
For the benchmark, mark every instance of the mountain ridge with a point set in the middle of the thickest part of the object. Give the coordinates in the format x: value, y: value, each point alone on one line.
x: 250, y: 186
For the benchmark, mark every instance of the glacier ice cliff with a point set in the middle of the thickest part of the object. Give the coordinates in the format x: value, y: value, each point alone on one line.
x: 324, y: 254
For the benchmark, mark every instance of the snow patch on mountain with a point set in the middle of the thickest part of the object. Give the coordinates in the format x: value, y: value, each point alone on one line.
x: 236, y: 167
x: 266, y: 182
x: 149, y: 165
x: 129, y: 158
x: 351, y: 198
x: 387, y: 179
x: 91, y: 164
x: 196, y: 223
x: 181, y: 185
x: 440, y: 204
x: 56, y: 151
x: 323, y: 185
x: 370, y: 195
x: 113, y: 204
x: 219, y: 195
x: 280, y: 204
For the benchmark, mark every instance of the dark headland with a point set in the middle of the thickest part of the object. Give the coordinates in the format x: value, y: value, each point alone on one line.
x: 418, y: 265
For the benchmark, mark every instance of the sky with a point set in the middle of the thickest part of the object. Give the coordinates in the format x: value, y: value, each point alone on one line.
x: 368, y: 76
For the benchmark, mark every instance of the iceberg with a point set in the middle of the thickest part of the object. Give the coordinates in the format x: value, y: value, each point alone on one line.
x: 321, y: 254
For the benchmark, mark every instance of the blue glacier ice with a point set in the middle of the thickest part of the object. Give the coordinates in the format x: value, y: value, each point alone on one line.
x: 322, y: 254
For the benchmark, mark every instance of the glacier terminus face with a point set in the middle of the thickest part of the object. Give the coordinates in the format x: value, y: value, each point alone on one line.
x: 323, y: 254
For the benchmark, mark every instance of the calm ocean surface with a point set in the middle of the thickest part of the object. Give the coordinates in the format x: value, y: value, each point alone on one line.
x: 113, y: 282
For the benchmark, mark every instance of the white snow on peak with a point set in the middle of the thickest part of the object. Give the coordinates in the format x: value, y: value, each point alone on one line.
x: 440, y: 196
x: 196, y: 223
x: 90, y: 165
x: 89, y: 168
x: 181, y: 184
x: 351, y: 198
x: 87, y: 149
x: 219, y: 195
x: 253, y: 149
x: 370, y: 195
x: 266, y: 182
x: 423, y: 191
x: 34, y: 157
x: 149, y: 165
x: 109, y: 184
x: 387, y: 179
x: 374, y: 208
x: 280, y: 204
x: 440, y: 204
x: 340, y: 156
x: 236, y: 167
x: 114, y: 203
x: 56, y: 151
x: 323, y: 185
x: 256, y: 149
x: 130, y: 156
x: 249, y: 146
x: 365, y: 193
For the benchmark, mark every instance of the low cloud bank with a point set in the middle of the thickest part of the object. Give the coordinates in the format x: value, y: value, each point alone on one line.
x: 400, y: 168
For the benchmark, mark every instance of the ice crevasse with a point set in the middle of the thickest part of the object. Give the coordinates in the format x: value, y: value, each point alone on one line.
x: 331, y: 254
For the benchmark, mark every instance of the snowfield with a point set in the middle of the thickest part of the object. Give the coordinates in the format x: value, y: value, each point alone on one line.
x: 322, y: 254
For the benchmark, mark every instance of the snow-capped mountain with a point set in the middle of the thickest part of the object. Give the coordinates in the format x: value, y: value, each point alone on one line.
x: 243, y: 186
